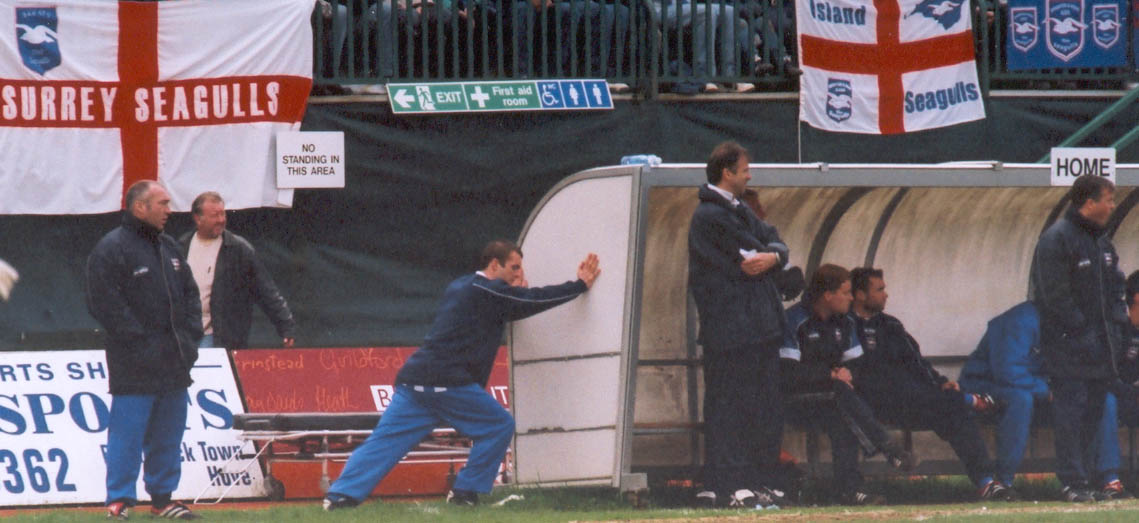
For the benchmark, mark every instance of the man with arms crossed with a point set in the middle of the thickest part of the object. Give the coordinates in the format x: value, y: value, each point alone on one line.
x: 1078, y: 291
x: 444, y: 382
x: 140, y: 289
x: 230, y: 278
x: 731, y: 256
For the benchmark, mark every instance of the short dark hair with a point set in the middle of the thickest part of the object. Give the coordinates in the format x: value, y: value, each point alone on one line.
x: 1088, y: 187
x: 827, y: 278
x: 1132, y: 288
x: 498, y: 250
x: 208, y: 196
x: 860, y: 278
x: 136, y: 191
x: 724, y: 156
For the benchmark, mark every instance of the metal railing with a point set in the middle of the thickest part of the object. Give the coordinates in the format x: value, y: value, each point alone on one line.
x: 654, y: 45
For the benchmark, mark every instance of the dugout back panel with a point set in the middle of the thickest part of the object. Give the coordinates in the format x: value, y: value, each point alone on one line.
x: 955, y: 242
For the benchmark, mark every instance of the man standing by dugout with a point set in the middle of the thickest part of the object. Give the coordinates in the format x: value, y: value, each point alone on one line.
x: 1078, y: 290
x: 140, y: 289
x: 731, y: 256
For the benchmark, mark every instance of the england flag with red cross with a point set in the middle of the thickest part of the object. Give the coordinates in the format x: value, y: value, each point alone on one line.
x: 886, y: 66
x: 96, y: 95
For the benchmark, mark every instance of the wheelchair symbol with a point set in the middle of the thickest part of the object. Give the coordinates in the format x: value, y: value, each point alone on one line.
x: 550, y: 95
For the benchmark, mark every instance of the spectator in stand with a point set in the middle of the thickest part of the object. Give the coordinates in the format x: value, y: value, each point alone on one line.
x: 606, y: 42
x: 817, y: 352
x: 904, y: 389
x: 728, y: 30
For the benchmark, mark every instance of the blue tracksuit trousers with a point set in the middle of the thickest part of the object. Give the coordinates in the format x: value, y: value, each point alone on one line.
x: 413, y: 413
x: 145, y: 430
x: 1016, y: 420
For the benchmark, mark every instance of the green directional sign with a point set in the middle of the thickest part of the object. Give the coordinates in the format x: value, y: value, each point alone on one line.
x: 519, y: 95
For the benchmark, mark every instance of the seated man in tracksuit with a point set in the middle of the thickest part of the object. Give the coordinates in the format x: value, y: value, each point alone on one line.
x: 902, y: 388
x: 1122, y: 402
x: 1007, y: 365
x: 819, y: 346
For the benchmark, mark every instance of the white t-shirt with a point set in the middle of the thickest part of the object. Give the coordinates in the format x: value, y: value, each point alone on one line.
x: 203, y: 259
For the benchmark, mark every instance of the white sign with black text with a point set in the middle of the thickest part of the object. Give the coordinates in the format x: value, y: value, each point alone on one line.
x: 310, y: 160
x: 1069, y: 163
x: 54, y: 410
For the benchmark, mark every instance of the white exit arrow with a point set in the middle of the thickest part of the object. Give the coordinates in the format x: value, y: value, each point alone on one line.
x: 403, y: 99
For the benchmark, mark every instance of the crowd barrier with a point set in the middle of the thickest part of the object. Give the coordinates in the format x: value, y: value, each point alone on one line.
x: 654, y: 45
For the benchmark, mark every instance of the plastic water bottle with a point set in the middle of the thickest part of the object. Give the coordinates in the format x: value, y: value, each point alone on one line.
x: 650, y: 160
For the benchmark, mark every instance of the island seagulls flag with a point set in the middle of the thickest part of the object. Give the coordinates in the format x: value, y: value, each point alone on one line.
x: 95, y: 95
x: 887, y: 66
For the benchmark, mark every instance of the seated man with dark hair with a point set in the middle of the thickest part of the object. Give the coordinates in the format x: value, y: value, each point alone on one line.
x: 819, y: 346
x: 904, y: 389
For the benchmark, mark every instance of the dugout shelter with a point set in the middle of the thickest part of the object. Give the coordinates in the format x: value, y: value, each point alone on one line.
x: 616, y: 393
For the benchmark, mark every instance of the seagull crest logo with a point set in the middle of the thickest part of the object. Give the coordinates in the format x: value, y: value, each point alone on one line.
x: 37, y: 39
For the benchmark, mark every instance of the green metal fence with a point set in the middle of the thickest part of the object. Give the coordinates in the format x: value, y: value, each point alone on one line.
x: 652, y: 45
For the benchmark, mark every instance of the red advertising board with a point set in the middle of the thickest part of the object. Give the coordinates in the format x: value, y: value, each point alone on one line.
x: 342, y: 380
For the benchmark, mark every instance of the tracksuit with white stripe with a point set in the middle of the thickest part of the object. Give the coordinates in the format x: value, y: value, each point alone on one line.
x: 814, y: 346
x: 443, y: 383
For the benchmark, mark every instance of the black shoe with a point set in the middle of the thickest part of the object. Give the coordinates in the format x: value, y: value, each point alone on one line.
x: 1077, y: 494
x: 464, y: 498
x: 705, y: 499
x: 337, y: 502
x: 994, y: 491
x: 173, y: 510
x: 860, y: 498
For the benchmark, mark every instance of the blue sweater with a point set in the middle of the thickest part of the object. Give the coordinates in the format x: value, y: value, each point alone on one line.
x: 463, y: 341
x: 1007, y: 354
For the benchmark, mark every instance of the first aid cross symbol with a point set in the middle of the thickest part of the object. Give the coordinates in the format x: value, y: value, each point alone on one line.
x: 480, y: 97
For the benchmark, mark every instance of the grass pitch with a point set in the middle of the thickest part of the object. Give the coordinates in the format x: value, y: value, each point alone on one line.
x: 926, y: 499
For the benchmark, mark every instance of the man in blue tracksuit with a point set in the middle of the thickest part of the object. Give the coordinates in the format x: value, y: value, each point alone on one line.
x: 140, y: 289
x: 444, y: 382
x: 1006, y: 366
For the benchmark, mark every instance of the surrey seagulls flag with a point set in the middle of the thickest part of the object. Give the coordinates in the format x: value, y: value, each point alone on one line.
x: 96, y: 95
x: 887, y: 66
x: 1066, y: 33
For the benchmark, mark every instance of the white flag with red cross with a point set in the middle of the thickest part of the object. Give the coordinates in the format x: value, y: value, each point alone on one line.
x: 96, y: 95
x: 886, y: 66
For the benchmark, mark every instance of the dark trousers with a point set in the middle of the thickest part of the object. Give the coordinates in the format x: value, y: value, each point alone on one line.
x: 849, y: 423
x: 743, y: 418
x: 917, y: 405
x: 1077, y: 407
